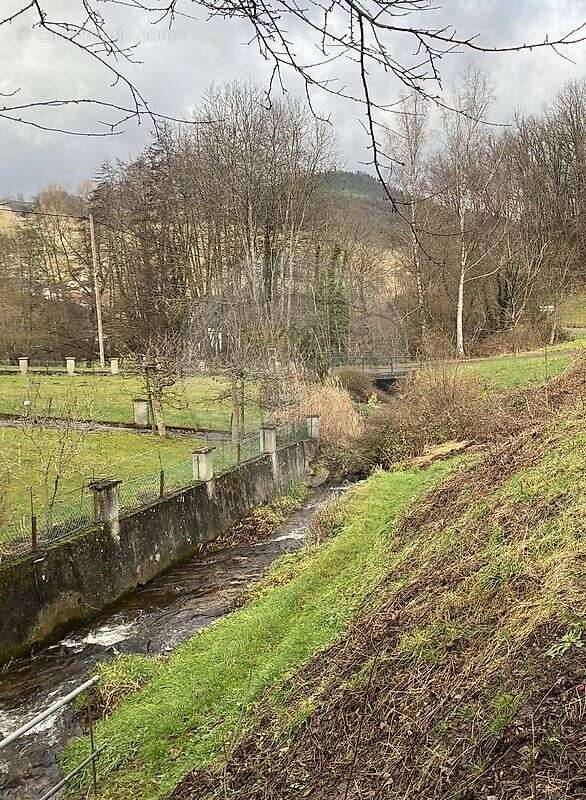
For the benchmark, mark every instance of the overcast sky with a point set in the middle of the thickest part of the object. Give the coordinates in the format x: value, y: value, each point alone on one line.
x: 179, y: 64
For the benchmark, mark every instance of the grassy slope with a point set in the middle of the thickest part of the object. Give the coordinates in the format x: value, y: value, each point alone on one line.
x: 573, y: 311
x: 195, y: 702
x: 477, y: 685
x: 521, y: 370
x: 478, y: 632
x: 99, y: 454
x: 203, y: 401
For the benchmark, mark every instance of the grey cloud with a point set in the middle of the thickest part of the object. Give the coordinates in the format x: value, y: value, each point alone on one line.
x: 178, y: 65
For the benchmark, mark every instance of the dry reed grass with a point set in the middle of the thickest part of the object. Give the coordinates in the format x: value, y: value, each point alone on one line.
x: 340, y: 422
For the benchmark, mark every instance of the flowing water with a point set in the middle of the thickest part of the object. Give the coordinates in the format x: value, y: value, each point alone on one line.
x: 154, y: 619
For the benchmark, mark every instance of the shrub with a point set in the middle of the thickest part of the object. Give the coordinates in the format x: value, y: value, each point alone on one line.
x: 512, y: 340
x: 359, y: 385
x: 437, y: 344
x: 340, y: 422
x: 437, y: 405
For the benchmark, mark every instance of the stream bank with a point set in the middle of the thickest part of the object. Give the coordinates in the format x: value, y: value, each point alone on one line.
x: 152, y: 620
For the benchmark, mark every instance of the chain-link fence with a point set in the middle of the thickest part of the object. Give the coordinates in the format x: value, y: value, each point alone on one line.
x: 294, y: 431
x: 66, y: 514
x: 74, y: 511
x: 227, y: 455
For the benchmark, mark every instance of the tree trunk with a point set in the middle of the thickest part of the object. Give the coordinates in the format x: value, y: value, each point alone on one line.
x: 149, y: 393
x: 418, y: 278
x: 158, y: 414
x: 460, y: 316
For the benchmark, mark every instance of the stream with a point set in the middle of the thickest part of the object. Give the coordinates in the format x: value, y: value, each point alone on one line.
x: 153, y: 619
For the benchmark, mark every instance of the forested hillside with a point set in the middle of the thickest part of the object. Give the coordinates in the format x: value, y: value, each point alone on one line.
x: 242, y: 236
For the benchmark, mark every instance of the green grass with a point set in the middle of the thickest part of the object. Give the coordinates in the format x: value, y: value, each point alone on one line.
x: 198, y: 402
x: 511, y: 372
x: 25, y: 452
x: 194, y: 703
x: 573, y: 311
x: 487, y: 584
x: 486, y: 578
x: 576, y: 343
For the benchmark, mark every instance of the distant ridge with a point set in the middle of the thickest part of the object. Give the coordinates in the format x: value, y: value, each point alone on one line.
x: 356, y: 184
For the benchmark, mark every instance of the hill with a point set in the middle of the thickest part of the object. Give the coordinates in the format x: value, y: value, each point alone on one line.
x: 464, y: 674
x: 356, y: 184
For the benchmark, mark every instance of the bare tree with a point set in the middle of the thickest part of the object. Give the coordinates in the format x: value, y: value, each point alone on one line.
x: 464, y: 172
x: 408, y: 147
x: 161, y: 364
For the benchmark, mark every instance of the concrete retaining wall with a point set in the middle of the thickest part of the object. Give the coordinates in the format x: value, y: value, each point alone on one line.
x: 46, y: 593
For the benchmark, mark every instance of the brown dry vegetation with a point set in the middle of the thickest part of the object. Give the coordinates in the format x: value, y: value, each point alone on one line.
x: 444, y: 404
x: 464, y: 675
x: 513, y: 340
x: 359, y: 385
x: 340, y: 422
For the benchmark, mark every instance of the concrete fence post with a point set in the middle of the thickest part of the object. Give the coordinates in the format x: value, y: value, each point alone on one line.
x: 70, y: 364
x: 23, y: 365
x: 202, y: 462
x: 268, y: 444
x: 140, y: 408
x: 106, y: 505
x: 114, y: 366
x: 268, y: 438
x: 312, y: 422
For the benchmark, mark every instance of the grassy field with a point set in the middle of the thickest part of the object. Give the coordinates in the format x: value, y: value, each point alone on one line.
x: 197, y: 700
x: 199, y: 402
x: 510, y: 372
x: 25, y: 453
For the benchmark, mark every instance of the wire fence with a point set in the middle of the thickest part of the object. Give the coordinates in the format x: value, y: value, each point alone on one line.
x: 291, y: 432
x: 74, y: 511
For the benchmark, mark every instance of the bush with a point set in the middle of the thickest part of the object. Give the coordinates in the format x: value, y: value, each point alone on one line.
x: 437, y: 344
x: 340, y: 422
x: 513, y: 340
x: 437, y: 405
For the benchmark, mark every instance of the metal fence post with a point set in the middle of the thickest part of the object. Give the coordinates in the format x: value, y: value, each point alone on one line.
x: 34, y: 539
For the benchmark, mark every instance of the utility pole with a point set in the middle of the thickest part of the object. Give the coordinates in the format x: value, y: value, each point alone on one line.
x: 97, y: 292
